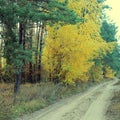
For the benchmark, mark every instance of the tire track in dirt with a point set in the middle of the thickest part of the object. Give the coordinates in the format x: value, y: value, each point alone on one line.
x: 90, y: 105
x: 99, y: 107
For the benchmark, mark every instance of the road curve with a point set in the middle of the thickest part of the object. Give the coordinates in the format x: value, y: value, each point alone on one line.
x: 90, y: 105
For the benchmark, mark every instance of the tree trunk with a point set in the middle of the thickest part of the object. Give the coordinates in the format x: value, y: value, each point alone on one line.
x: 18, y: 75
x: 40, y: 50
x: 22, y: 42
x: 17, y: 85
x: 30, y: 73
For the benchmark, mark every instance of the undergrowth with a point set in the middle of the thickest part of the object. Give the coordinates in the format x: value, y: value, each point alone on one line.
x: 113, y: 111
x: 34, y: 97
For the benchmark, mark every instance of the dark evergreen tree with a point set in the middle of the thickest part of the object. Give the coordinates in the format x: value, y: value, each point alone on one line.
x: 16, y: 16
x: 108, y: 33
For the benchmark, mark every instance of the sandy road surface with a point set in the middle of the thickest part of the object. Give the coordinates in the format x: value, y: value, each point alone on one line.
x: 90, y: 105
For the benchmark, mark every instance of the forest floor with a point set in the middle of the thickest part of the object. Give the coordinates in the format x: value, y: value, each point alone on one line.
x: 90, y: 105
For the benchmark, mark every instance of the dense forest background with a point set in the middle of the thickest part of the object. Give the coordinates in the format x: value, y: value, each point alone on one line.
x: 59, y: 41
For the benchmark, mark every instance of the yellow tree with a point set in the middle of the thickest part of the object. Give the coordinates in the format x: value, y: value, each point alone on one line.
x: 70, y: 49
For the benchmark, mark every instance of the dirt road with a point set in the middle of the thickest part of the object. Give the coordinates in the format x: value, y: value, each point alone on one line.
x: 90, y: 105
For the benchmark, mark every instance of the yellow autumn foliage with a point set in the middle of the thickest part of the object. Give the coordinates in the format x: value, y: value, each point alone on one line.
x: 109, y: 73
x: 68, y: 54
x: 96, y: 72
x: 70, y: 49
x: 3, y: 62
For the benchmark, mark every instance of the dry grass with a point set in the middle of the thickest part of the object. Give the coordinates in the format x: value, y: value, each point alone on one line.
x: 33, y: 97
x: 113, y: 112
x: 6, y: 98
x: 118, y: 83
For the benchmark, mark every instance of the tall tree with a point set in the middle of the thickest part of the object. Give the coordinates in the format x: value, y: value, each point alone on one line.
x: 15, y: 16
x: 108, y: 33
x: 68, y: 56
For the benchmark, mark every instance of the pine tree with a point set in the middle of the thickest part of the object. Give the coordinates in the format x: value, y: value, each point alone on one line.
x: 108, y: 33
x: 15, y: 16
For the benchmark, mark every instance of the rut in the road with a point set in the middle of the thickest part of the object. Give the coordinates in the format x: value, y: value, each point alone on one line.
x: 98, y: 108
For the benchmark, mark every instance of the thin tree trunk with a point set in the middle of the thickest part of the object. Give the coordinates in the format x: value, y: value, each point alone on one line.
x: 30, y: 73
x: 17, y: 84
x: 30, y: 76
x: 36, y: 54
x: 22, y: 42
x: 1, y: 54
x: 40, y: 55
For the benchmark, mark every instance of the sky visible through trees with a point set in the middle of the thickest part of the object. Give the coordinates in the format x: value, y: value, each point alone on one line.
x: 114, y: 13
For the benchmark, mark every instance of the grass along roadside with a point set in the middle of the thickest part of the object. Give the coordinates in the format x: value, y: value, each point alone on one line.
x: 34, y: 97
x: 113, y: 112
